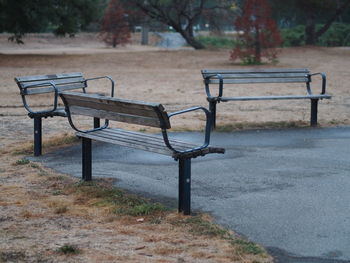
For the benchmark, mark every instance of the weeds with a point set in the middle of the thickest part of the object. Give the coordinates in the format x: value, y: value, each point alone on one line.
x: 248, y: 247
x: 201, y: 226
x: 22, y: 162
x: 69, y: 249
x: 121, y: 202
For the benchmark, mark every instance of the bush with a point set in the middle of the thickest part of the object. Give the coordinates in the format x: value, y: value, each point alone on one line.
x: 337, y: 35
x: 293, y: 37
x: 216, y: 41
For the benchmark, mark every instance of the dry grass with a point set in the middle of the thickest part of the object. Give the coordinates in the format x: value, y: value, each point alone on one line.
x: 53, y: 217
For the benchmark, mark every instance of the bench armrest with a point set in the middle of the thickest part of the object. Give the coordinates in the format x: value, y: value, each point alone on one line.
x: 207, y: 129
x: 221, y: 86
x: 28, y: 108
x: 324, y: 82
x: 103, y: 77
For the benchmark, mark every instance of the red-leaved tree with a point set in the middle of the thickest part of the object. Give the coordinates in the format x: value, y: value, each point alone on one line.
x: 115, y: 27
x: 258, y: 35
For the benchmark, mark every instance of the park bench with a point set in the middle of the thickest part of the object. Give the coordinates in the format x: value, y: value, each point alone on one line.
x: 51, y: 84
x: 140, y: 113
x: 256, y: 76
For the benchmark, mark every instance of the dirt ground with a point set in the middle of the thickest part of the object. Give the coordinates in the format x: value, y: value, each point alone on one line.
x: 30, y: 229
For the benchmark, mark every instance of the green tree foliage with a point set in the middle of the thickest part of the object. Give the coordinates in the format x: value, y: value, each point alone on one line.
x: 310, y: 13
x: 64, y: 16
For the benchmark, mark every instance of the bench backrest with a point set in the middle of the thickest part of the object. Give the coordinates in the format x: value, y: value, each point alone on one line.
x: 256, y: 76
x: 39, y: 84
x: 103, y: 107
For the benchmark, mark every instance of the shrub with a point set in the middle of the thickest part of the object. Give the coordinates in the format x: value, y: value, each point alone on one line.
x: 293, y: 37
x: 216, y: 41
x: 337, y: 35
x: 259, y: 35
x: 114, y: 27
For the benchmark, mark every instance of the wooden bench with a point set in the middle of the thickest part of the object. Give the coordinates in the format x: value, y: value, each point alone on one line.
x: 141, y: 113
x: 54, y: 83
x: 256, y: 76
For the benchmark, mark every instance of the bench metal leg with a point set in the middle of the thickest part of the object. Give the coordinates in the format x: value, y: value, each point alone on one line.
x: 314, y: 104
x: 97, y: 123
x: 86, y: 159
x: 212, y: 109
x: 37, y: 136
x: 185, y: 186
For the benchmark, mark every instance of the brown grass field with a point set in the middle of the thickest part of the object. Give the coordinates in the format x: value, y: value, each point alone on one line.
x: 41, y: 214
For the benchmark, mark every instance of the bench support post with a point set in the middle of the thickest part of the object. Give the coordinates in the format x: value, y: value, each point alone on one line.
x: 212, y: 109
x: 313, y: 120
x: 185, y: 186
x: 96, y: 123
x: 37, y: 136
x: 86, y: 159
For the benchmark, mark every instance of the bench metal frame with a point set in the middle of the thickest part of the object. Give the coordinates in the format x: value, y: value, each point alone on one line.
x: 53, y: 83
x: 141, y: 113
x: 255, y: 76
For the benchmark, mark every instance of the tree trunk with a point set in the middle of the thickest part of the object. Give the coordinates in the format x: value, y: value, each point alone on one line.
x: 257, y: 45
x: 310, y: 30
x: 191, y: 40
x: 188, y: 35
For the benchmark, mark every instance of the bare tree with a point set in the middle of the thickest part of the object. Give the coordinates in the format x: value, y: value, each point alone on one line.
x: 181, y: 15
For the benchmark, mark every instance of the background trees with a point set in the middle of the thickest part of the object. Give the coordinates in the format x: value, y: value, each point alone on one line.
x: 258, y: 35
x: 310, y: 13
x: 61, y: 16
x: 181, y: 15
x: 114, y: 26
x: 66, y: 17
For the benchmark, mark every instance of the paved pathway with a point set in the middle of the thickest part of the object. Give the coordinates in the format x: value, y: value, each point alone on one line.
x: 171, y: 40
x: 286, y: 189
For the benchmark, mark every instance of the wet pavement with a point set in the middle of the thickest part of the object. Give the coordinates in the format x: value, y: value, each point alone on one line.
x: 288, y: 190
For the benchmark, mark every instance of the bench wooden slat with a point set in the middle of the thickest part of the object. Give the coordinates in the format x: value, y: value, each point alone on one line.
x: 274, y: 70
x: 136, y: 112
x: 153, y: 137
x: 259, y: 80
x: 291, y: 97
x: 110, y: 100
x: 141, y: 137
x: 49, y: 77
x: 102, y: 114
x: 99, y: 137
x: 50, y: 89
x: 115, y: 107
x: 138, y: 141
x: 259, y: 75
x: 125, y: 138
x: 79, y: 80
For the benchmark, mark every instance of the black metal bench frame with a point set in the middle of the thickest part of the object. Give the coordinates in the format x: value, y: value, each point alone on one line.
x: 136, y: 112
x: 53, y: 83
x: 255, y: 76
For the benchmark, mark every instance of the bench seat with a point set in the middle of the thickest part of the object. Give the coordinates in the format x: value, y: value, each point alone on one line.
x: 288, y: 97
x: 148, y: 142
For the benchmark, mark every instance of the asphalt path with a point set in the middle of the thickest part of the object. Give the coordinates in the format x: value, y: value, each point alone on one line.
x: 288, y: 190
